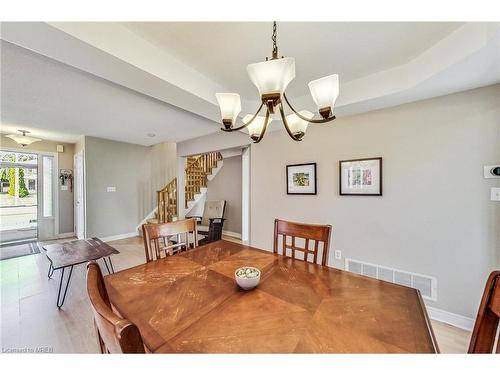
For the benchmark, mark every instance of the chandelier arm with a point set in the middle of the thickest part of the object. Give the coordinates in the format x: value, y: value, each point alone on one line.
x: 320, y: 121
x: 264, y: 128
x: 248, y: 123
x: 285, y: 122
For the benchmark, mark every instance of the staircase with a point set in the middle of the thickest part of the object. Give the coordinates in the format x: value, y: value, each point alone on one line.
x: 199, y: 170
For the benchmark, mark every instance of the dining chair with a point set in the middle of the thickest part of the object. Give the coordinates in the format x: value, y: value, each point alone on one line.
x: 153, y: 234
x: 312, y: 234
x: 487, y: 320
x: 115, y: 334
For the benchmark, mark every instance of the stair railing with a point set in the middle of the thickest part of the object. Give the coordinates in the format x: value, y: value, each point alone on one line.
x: 197, y: 173
x: 167, y: 202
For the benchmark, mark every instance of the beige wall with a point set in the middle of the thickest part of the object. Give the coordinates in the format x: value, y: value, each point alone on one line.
x: 65, y: 161
x: 227, y: 185
x: 121, y: 165
x: 435, y: 216
x: 136, y: 172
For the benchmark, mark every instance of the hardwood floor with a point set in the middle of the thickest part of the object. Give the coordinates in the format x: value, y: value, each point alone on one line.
x: 30, y: 318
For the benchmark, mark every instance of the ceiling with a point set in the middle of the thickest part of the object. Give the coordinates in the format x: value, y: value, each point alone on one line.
x: 222, y: 50
x: 123, y: 81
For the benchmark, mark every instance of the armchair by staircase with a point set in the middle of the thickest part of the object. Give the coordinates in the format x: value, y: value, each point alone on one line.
x: 211, y: 223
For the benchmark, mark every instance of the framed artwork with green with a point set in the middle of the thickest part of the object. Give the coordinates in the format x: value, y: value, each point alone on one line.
x: 301, y: 179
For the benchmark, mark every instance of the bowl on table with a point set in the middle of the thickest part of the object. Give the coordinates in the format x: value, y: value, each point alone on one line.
x: 247, y: 277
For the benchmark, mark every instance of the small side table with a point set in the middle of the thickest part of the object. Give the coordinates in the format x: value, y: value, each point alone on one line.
x: 69, y: 254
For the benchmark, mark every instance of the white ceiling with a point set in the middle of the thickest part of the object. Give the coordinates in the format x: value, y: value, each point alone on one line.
x: 38, y: 93
x: 124, y: 80
x: 222, y: 50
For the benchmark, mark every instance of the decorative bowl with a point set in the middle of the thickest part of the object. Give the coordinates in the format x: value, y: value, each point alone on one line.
x: 247, y: 277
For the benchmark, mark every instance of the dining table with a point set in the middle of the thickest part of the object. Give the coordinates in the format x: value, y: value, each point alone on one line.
x: 190, y: 303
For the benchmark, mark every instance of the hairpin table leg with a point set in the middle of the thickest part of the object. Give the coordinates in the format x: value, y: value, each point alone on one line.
x: 111, y: 265
x: 107, y: 267
x: 51, y: 271
x: 59, y: 301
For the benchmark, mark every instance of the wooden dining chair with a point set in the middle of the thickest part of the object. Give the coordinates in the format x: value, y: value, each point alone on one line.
x: 312, y: 234
x: 115, y: 334
x: 487, y: 320
x: 167, y: 238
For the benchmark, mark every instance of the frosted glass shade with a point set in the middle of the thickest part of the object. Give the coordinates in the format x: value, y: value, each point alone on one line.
x: 325, y: 91
x: 23, y: 140
x: 256, y: 126
x: 298, y: 126
x: 230, y: 106
x: 273, y: 76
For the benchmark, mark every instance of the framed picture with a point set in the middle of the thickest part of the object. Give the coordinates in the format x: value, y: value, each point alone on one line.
x: 301, y: 179
x: 360, y: 177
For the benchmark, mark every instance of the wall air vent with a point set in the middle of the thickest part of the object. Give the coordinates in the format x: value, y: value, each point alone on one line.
x: 426, y: 284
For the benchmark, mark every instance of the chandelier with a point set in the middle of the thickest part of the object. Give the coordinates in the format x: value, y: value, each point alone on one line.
x: 271, y: 78
x: 23, y: 139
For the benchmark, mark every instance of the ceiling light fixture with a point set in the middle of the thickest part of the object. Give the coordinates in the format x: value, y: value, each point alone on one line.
x: 271, y: 78
x: 23, y: 139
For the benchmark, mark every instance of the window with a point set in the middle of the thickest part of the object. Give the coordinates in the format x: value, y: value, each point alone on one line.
x: 47, y: 186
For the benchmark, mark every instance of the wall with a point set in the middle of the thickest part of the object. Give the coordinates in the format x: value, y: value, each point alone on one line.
x: 65, y: 161
x: 126, y: 167
x: 435, y: 216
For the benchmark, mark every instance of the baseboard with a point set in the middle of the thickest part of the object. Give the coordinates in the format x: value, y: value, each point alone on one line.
x: 66, y: 235
x: 450, y: 318
x: 119, y: 236
x: 231, y: 234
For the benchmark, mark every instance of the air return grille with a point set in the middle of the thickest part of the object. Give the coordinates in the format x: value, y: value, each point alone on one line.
x: 426, y: 284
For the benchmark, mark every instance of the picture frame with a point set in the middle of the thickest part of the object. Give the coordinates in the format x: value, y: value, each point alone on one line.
x: 360, y: 177
x: 301, y: 179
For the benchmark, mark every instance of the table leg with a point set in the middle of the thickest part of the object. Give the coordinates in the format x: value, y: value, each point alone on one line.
x: 107, y: 267
x: 111, y: 264
x: 59, y: 301
x: 51, y: 271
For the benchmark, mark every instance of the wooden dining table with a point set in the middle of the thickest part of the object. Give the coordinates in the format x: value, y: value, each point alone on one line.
x: 190, y: 303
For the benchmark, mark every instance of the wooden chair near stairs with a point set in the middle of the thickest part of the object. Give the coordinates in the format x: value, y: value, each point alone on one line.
x: 167, y: 238
x: 211, y: 223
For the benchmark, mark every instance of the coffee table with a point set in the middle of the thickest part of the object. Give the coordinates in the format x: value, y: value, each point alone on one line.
x: 70, y: 254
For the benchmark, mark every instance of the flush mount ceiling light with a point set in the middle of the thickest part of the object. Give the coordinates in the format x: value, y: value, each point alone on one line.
x: 271, y: 78
x: 23, y: 139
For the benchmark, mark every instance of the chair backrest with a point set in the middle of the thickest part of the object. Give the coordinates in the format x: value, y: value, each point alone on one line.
x: 153, y: 233
x: 213, y: 209
x: 488, y: 316
x: 115, y: 334
x: 311, y: 234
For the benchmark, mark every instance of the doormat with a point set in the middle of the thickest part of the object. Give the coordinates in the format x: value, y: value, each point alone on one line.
x: 19, y: 250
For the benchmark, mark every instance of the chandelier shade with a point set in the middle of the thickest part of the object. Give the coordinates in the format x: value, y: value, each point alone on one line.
x: 297, y: 125
x: 256, y: 126
x: 325, y: 91
x: 230, y: 106
x: 273, y: 76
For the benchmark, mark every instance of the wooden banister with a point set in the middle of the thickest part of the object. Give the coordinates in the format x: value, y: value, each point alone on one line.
x: 198, y: 168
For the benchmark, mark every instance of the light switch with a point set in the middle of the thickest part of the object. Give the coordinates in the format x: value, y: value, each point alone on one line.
x: 64, y: 187
x: 111, y: 189
x: 495, y: 194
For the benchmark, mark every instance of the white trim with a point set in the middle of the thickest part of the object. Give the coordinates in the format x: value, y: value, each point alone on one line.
x: 453, y: 319
x: 151, y: 215
x: 66, y: 235
x: 231, y: 234
x: 119, y: 237
x: 245, y: 195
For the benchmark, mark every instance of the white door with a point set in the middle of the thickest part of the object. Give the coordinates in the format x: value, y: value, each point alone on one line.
x: 47, y: 178
x: 79, y: 196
